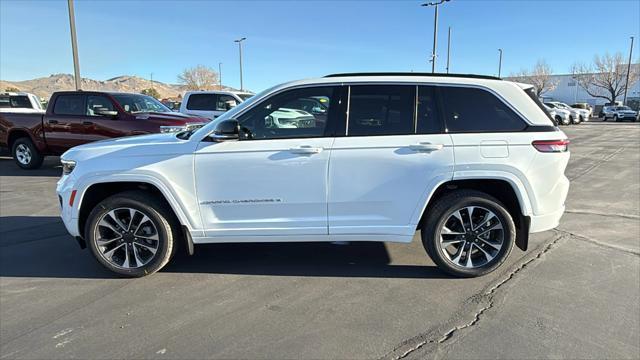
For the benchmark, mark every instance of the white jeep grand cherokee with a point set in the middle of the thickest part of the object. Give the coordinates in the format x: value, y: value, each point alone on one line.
x: 473, y: 162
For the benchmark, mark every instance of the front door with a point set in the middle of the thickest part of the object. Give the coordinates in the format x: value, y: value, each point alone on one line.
x: 65, y: 127
x: 393, y: 156
x: 273, y: 181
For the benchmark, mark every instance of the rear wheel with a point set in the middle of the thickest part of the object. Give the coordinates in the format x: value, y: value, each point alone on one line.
x: 25, y: 154
x: 468, y: 233
x: 615, y: 117
x: 132, y: 233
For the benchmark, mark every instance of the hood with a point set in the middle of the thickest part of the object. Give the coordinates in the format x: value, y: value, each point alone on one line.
x: 174, y: 117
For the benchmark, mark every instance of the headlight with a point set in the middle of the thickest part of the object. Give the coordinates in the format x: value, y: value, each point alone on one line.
x: 171, y: 128
x: 67, y: 166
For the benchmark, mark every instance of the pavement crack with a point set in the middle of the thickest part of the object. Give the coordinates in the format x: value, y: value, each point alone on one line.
x: 597, y: 164
x: 590, y: 212
x: 600, y: 243
x: 487, y: 296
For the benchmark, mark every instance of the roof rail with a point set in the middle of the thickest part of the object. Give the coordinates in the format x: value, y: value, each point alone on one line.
x: 472, y: 76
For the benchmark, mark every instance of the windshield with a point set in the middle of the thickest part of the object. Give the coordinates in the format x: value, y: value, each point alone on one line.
x: 623, y: 108
x: 135, y: 103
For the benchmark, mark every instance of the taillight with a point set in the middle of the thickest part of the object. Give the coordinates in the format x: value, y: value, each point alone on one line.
x: 550, y: 146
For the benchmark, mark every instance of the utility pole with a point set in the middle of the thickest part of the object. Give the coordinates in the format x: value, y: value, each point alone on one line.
x: 435, y: 32
x: 239, y: 41
x: 220, y: 75
x: 74, y: 44
x: 151, y: 81
x: 448, y: 48
x: 500, y: 63
x: 626, y: 86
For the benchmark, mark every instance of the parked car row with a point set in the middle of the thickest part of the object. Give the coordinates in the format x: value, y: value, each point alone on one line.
x: 77, y: 117
x: 565, y: 114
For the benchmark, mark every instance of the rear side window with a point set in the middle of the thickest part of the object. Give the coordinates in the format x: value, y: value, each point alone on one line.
x: 477, y: 110
x: 428, y: 119
x: 20, y: 101
x: 5, y: 102
x: 381, y: 110
x: 205, y: 102
x: 69, y: 105
x: 226, y: 102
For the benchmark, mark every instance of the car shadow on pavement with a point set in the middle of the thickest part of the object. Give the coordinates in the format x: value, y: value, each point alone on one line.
x: 50, y: 167
x: 40, y: 247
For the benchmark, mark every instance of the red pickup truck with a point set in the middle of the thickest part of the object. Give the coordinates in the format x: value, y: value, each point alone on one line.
x: 78, y: 117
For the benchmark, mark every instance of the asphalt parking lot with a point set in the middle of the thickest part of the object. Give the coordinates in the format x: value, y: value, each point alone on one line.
x: 574, y: 294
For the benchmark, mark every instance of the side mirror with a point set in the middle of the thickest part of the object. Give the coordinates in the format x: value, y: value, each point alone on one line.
x: 226, y: 130
x: 230, y: 105
x: 107, y: 113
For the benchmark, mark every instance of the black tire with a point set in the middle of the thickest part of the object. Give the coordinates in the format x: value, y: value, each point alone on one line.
x: 440, y: 212
x: 615, y: 117
x: 22, y: 146
x: 163, y: 218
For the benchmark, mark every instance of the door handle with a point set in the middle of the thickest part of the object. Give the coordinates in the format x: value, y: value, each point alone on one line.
x: 87, y: 123
x: 425, y: 147
x: 53, y: 122
x: 305, y: 149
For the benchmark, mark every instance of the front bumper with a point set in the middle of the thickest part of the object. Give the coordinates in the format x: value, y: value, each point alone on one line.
x: 68, y: 210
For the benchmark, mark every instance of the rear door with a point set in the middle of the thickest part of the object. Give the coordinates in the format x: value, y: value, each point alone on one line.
x: 393, y: 154
x: 65, y: 127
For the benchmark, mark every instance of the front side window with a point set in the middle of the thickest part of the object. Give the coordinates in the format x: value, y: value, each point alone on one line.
x: 69, y: 105
x: 381, y: 110
x: 205, y: 102
x: 288, y: 115
x: 97, y: 104
x: 134, y: 103
x: 477, y: 110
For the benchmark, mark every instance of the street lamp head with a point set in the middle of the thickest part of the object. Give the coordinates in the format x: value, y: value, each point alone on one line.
x: 435, y: 3
x: 240, y: 40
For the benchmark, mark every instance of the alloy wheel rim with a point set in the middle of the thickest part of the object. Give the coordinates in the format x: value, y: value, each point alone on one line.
x: 471, y: 237
x: 23, y: 154
x: 127, y: 238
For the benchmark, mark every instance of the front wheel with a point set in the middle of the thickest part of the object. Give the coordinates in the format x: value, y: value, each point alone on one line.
x: 25, y: 154
x: 468, y: 233
x: 615, y: 118
x: 132, y: 233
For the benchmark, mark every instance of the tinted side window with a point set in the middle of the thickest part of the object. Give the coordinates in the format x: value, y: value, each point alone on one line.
x: 283, y: 115
x: 205, y: 102
x: 21, y: 101
x: 97, y: 103
x: 69, y: 105
x: 5, y: 102
x: 428, y: 119
x: 477, y: 110
x: 226, y: 102
x: 381, y: 110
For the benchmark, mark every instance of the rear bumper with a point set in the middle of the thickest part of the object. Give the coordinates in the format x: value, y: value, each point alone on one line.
x: 546, y: 222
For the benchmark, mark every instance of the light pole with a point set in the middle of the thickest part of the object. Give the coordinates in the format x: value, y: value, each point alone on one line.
x: 626, y: 86
x: 74, y: 45
x: 151, y: 81
x: 435, y: 32
x: 500, y: 63
x: 239, y: 41
x: 220, y: 75
x: 448, y: 48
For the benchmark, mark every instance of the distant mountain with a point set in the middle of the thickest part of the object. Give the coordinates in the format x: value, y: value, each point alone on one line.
x: 45, y: 86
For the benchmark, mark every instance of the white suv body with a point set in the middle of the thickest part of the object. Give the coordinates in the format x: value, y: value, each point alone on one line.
x: 211, y: 104
x: 385, y: 158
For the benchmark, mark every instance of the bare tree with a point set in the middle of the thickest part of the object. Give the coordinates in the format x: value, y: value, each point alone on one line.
x: 539, y: 77
x: 199, y: 78
x: 606, y: 77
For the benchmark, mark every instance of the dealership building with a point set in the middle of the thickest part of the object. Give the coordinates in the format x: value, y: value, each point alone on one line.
x: 568, y: 91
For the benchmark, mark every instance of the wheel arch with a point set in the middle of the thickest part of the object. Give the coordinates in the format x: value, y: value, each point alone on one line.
x: 98, y: 191
x: 15, y: 134
x: 506, y: 191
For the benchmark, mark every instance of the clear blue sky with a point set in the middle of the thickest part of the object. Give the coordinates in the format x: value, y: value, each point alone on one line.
x: 294, y: 39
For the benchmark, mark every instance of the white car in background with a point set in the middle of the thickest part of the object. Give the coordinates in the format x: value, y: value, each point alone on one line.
x: 578, y: 115
x: 561, y: 116
x: 211, y: 104
x: 20, y: 102
x: 574, y: 116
